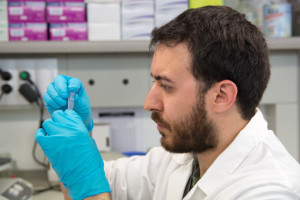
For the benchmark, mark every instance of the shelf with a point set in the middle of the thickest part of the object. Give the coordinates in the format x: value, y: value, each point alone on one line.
x: 49, y: 47
x: 284, y: 43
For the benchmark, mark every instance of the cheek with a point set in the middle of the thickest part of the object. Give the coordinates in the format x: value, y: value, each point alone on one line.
x: 177, y: 109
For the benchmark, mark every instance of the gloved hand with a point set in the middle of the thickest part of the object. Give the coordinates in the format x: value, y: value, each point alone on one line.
x: 73, y: 154
x: 56, y: 98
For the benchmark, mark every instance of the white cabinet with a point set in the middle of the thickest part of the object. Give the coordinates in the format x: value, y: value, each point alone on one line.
x: 114, y: 80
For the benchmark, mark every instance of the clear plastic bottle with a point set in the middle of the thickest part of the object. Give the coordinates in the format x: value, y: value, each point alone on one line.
x: 277, y: 19
x: 247, y: 7
x: 259, y: 6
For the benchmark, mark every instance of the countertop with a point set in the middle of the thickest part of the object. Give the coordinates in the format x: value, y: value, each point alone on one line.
x: 57, y: 195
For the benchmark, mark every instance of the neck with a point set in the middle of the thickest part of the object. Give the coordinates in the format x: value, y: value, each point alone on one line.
x: 230, y: 128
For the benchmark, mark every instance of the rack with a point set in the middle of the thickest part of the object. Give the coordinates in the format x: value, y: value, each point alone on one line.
x: 48, y: 47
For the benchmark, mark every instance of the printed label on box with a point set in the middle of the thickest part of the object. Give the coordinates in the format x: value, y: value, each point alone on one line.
x: 26, y: 12
x: 27, y: 31
x: 66, y: 12
x: 68, y: 31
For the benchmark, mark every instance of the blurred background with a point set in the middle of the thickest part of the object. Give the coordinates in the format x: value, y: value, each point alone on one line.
x: 104, y: 43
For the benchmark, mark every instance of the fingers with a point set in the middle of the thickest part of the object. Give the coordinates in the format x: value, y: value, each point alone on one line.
x: 60, y: 120
x: 40, y: 135
x: 73, y: 116
x: 53, y: 99
x: 75, y: 85
x: 61, y: 85
x: 59, y: 91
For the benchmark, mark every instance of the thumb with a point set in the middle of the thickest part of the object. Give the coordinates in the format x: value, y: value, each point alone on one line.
x: 39, y: 135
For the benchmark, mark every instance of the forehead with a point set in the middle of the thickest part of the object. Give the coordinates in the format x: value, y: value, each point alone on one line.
x: 171, y: 60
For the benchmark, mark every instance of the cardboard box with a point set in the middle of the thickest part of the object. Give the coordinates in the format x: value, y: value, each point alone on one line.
x: 28, y: 11
x: 137, y: 19
x: 102, y: 31
x: 58, y: 12
x: 166, y: 10
x: 68, y: 31
x: 103, y: 13
x: 27, y: 31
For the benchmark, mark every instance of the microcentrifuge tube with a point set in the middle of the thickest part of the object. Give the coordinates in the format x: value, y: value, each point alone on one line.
x: 71, y: 100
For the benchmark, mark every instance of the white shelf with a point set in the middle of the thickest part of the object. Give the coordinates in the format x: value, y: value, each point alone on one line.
x: 284, y: 43
x: 59, y: 47
x: 51, y: 47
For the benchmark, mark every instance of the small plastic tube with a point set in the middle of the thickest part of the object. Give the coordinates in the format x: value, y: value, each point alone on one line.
x: 71, y: 100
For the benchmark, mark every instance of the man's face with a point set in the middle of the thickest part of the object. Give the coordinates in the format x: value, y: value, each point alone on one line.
x: 176, y: 104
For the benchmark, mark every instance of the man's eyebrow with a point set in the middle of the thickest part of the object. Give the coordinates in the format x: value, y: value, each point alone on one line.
x: 159, y: 77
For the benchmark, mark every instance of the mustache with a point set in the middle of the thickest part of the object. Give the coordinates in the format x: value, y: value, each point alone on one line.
x: 155, y: 116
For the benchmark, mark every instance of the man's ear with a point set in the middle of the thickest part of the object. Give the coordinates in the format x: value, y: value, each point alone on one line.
x: 225, y: 93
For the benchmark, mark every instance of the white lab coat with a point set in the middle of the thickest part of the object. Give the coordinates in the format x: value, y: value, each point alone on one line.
x: 254, y: 166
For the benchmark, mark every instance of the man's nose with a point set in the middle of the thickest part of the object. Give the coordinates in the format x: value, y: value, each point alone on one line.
x: 153, y: 101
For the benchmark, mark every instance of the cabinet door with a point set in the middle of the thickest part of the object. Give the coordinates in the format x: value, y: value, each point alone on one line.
x: 113, y: 80
x: 283, y: 86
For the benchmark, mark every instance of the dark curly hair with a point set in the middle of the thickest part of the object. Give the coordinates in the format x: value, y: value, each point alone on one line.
x: 224, y: 46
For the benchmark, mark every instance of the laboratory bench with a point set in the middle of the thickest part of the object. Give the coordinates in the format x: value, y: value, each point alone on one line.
x: 38, y: 180
x: 48, y: 195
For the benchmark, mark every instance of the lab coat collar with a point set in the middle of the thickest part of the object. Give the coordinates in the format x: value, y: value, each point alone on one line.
x: 182, y: 158
x: 178, y: 179
x: 231, y: 158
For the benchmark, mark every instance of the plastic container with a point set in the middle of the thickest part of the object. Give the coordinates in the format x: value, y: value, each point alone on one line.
x: 277, y: 20
x: 247, y: 7
x: 134, y: 153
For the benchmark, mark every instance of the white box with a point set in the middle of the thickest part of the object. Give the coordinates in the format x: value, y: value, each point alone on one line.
x: 103, y: 13
x: 166, y: 10
x: 3, y: 11
x: 102, y: 31
x: 102, y: 1
x: 137, y: 19
x: 137, y: 7
x: 134, y: 5
x: 136, y: 32
x: 3, y: 32
x: 170, y: 3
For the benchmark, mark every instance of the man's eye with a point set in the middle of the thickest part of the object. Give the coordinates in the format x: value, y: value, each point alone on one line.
x: 165, y: 87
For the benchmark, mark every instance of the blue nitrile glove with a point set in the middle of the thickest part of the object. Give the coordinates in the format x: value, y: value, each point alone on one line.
x: 56, y: 98
x: 73, y: 154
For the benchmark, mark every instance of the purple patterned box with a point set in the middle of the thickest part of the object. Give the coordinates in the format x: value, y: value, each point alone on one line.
x: 25, y: 0
x: 26, y: 11
x: 66, y: 12
x: 27, y: 31
x: 68, y: 31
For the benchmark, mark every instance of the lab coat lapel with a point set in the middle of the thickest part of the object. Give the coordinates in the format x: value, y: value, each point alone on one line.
x: 177, y: 181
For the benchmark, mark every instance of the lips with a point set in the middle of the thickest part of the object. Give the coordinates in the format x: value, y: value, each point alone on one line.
x: 160, y: 127
x: 161, y: 124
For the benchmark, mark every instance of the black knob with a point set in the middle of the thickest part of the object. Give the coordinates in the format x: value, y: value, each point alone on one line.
x: 6, y: 88
x: 5, y: 75
x: 125, y: 81
x: 91, y: 82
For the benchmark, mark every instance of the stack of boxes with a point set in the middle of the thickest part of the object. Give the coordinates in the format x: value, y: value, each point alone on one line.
x: 166, y: 10
x: 93, y: 20
x: 3, y: 21
x: 27, y: 20
x: 103, y: 20
x: 137, y: 19
x: 67, y: 20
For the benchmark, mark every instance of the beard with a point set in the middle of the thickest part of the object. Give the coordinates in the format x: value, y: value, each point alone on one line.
x: 191, y: 133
